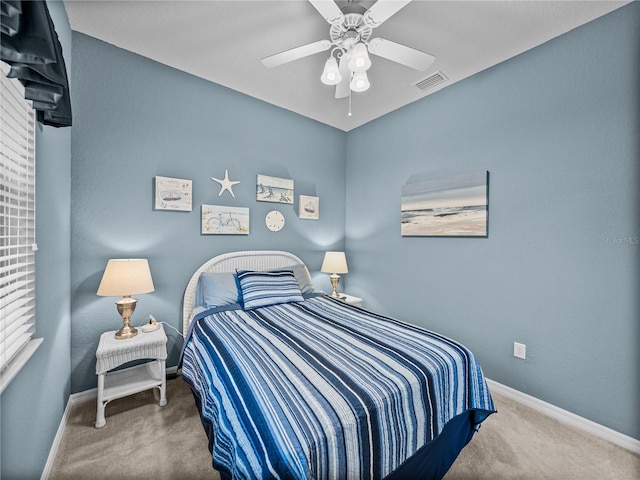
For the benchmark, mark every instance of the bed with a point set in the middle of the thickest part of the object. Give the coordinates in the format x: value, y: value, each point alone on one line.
x: 291, y: 383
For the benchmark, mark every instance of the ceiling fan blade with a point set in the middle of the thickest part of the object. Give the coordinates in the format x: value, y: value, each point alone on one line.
x: 382, y: 10
x: 296, y: 53
x: 329, y: 10
x: 342, y: 89
x: 400, y: 54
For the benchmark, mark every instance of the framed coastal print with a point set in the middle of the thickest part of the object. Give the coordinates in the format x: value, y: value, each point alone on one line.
x: 172, y: 194
x: 274, y: 189
x: 219, y: 220
x: 308, y: 207
x: 448, y: 207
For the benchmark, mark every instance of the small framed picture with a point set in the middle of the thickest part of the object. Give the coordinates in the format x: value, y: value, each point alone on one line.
x: 219, y: 220
x: 173, y: 194
x: 308, y: 207
x: 274, y: 189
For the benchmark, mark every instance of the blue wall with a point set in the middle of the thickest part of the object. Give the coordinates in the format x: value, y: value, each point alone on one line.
x: 33, y: 404
x: 135, y: 119
x: 557, y: 128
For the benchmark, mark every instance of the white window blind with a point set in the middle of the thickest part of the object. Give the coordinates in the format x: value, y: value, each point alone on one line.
x: 17, y: 228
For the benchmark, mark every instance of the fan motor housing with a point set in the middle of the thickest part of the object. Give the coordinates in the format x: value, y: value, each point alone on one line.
x: 353, y: 26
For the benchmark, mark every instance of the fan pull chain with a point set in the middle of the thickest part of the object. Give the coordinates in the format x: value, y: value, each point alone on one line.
x: 349, y: 101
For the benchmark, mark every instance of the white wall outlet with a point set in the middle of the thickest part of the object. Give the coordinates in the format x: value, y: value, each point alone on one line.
x: 520, y: 350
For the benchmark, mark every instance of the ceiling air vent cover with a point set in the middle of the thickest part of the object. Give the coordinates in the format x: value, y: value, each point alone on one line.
x: 431, y: 81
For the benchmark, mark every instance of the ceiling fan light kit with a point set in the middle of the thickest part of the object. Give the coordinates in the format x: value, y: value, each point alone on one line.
x: 360, y: 82
x: 360, y: 61
x: 331, y: 73
x: 349, y: 31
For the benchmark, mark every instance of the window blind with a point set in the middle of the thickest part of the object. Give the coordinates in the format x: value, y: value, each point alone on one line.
x: 17, y: 227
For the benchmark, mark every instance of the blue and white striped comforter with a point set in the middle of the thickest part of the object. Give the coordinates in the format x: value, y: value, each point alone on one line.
x: 323, y: 390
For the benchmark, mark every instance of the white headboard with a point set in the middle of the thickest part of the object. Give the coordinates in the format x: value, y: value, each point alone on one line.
x: 229, y: 262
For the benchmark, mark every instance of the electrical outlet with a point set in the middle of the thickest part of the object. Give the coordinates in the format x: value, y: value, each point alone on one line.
x: 519, y: 350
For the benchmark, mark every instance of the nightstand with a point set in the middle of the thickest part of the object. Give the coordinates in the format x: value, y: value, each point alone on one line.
x: 351, y: 300
x: 112, y: 353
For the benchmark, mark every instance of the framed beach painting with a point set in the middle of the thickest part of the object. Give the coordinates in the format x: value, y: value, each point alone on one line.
x: 173, y: 194
x: 219, y: 220
x: 274, y: 189
x: 448, y: 207
x: 308, y: 207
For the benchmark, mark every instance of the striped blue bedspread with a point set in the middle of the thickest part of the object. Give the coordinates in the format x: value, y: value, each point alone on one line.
x: 324, y: 390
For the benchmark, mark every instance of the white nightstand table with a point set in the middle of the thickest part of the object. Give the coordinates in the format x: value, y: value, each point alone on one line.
x: 112, y: 353
x: 351, y: 300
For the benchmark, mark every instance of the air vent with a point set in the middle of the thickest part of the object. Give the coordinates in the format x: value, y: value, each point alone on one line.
x: 431, y: 81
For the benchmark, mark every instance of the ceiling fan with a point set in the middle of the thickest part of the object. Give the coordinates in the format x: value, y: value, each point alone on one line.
x: 350, y: 32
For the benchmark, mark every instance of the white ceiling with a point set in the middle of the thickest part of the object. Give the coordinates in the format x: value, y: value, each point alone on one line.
x: 224, y: 41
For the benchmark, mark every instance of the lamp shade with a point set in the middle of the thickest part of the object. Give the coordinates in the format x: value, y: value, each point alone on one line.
x: 124, y: 277
x: 360, y: 82
x: 331, y: 74
x: 334, y: 262
x: 360, y: 61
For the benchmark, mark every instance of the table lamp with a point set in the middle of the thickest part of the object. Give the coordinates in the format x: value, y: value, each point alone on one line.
x: 335, y: 263
x: 126, y: 277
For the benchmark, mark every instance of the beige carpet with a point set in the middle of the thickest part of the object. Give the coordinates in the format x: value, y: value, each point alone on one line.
x: 142, y: 440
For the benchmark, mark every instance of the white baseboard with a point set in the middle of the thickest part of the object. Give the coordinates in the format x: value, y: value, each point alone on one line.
x: 74, y: 399
x: 567, y: 417
x: 56, y: 440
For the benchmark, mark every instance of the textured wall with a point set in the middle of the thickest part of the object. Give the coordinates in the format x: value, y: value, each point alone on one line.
x: 557, y: 128
x: 32, y: 405
x: 135, y: 119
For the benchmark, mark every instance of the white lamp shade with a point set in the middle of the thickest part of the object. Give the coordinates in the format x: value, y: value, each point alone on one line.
x: 360, y: 61
x: 331, y: 73
x: 334, y: 262
x: 126, y: 277
x: 360, y: 82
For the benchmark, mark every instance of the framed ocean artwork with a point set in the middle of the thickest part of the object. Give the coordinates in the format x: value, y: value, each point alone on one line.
x: 274, y: 189
x: 172, y: 194
x: 448, y: 207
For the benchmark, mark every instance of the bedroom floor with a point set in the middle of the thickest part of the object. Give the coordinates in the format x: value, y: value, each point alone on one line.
x: 144, y: 440
x: 521, y: 443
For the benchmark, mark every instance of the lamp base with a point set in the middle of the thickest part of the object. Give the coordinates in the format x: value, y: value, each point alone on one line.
x: 126, y: 307
x: 127, y: 331
x: 335, y: 280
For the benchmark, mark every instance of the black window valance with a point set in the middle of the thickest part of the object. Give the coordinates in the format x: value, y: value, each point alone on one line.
x: 30, y: 45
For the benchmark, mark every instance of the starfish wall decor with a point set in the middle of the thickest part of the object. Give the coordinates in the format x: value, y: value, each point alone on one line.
x: 225, y: 184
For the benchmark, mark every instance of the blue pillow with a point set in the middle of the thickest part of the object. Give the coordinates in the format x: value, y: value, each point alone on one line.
x: 260, y: 289
x: 218, y: 289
